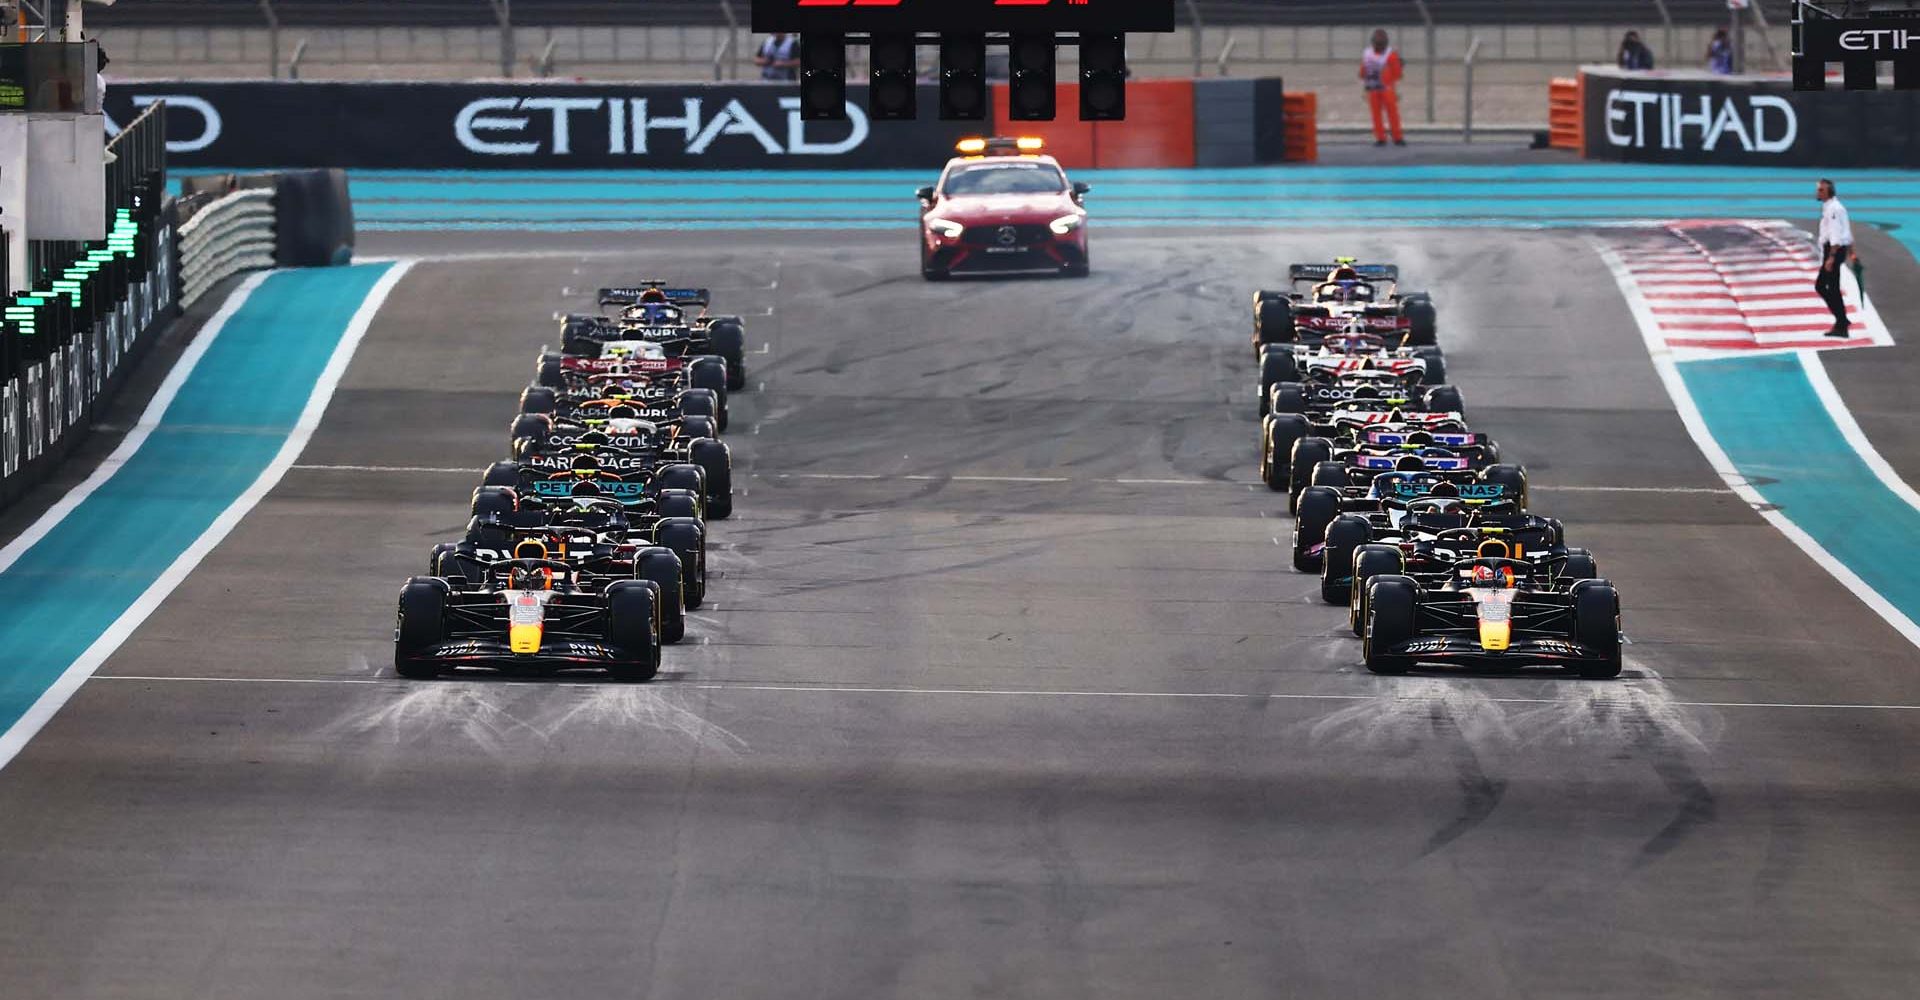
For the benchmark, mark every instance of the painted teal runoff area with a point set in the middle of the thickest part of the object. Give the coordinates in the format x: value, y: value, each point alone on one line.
x: 1767, y: 418
x: 231, y: 417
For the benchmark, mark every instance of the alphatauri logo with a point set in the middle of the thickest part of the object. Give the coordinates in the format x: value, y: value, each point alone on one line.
x: 1646, y: 119
x: 556, y: 126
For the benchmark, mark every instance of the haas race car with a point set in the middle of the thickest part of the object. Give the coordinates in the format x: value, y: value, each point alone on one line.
x: 674, y: 318
x: 1343, y: 296
x: 1001, y: 207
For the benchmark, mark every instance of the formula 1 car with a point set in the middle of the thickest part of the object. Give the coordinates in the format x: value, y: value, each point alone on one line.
x: 1344, y: 354
x: 1003, y: 206
x: 551, y: 467
x: 1363, y: 388
x: 1344, y: 294
x: 641, y: 370
x: 529, y: 612
x: 597, y: 400
x: 1281, y: 433
x: 675, y: 318
x: 1320, y: 503
x: 1386, y: 448
x: 1492, y: 612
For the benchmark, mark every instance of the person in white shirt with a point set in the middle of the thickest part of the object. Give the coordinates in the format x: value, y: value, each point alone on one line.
x: 1836, y: 250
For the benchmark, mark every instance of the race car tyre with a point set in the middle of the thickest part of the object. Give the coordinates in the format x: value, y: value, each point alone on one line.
x: 730, y: 342
x: 1288, y: 397
x: 545, y: 358
x: 681, y: 476
x: 1345, y: 535
x: 433, y: 558
x: 1307, y: 453
x: 553, y: 376
x: 423, y: 625
x: 1276, y: 452
x: 1277, y: 365
x: 1513, y: 477
x: 1319, y: 505
x: 1272, y: 319
x: 1445, y: 399
x: 1579, y: 566
x: 1369, y: 561
x: 700, y: 427
x: 1596, y: 625
x: 502, y: 474
x: 632, y: 628
x: 452, y: 567
x: 495, y: 500
x: 535, y: 427
x: 703, y: 403
x: 717, y: 460
x: 708, y: 371
x: 1390, y: 604
x: 1329, y: 474
x: 1424, y: 326
x: 677, y: 503
x: 688, y: 540
x: 1436, y: 373
x: 663, y: 567
x: 538, y: 399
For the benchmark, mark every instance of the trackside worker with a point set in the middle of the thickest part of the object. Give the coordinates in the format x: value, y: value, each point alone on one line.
x: 1380, y: 71
x: 1836, y: 250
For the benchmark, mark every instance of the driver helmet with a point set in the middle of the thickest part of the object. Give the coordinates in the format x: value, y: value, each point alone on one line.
x: 530, y: 577
x: 1345, y: 272
x: 653, y: 295
x: 585, y: 465
x: 584, y: 488
x: 1492, y: 576
x: 622, y: 411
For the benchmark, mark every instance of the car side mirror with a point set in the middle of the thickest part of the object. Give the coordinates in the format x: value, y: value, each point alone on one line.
x: 925, y: 195
x: 1080, y: 189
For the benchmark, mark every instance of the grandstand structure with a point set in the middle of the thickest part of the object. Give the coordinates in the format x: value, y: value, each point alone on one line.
x: 1311, y: 43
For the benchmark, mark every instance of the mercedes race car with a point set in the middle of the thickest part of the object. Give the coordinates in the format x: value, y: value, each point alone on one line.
x: 1342, y: 296
x: 1003, y: 206
x: 674, y: 318
x: 552, y: 466
x: 528, y: 612
x: 1320, y: 504
x: 1492, y: 612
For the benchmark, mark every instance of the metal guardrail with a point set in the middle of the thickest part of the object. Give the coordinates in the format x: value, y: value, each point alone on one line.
x: 232, y: 234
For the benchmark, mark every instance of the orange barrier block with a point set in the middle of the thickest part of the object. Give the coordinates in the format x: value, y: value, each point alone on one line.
x: 1158, y: 131
x: 1565, y: 125
x: 1301, y: 112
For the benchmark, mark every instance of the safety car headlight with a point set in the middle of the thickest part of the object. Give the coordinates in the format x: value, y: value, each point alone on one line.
x: 1065, y: 224
x: 946, y: 227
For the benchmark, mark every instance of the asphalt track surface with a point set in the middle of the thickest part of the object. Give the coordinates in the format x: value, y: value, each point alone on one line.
x: 951, y: 732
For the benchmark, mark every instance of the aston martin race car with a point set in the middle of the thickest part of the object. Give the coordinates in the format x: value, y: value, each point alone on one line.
x: 1342, y: 296
x: 1492, y: 612
x: 529, y: 612
x: 675, y: 318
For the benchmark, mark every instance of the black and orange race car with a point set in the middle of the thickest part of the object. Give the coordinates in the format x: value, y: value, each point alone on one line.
x: 1003, y: 207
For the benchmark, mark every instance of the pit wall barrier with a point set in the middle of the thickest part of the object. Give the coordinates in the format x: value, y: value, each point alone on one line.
x: 518, y: 125
x: 1698, y: 117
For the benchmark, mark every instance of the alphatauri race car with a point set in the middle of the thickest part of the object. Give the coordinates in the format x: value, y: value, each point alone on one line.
x: 1343, y: 296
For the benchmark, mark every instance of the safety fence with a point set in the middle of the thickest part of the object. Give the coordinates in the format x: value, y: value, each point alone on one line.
x: 90, y: 310
x: 231, y: 234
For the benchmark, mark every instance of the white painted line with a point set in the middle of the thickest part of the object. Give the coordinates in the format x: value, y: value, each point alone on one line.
x: 1850, y: 429
x: 1669, y: 371
x: 142, y: 428
x: 765, y: 348
x: 986, y: 692
x: 916, y: 478
x: 76, y: 674
x: 387, y: 468
x: 1628, y: 489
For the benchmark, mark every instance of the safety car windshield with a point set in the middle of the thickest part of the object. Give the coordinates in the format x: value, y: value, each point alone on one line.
x: 1017, y: 177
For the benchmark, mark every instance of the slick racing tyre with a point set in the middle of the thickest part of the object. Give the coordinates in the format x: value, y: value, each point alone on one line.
x: 538, y: 399
x: 1277, y: 365
x: 699, y: 427
x: 1436, y: 373
x: 1445, y: 399
x: 662, y: 566
x: 1345, y: 535
x: 1318, y: 507
x: 1390, y: 604
x: 530, y: 427
x: 1276, y: 452
x: 1288, y: 397
x: 1512, y: 477
x: 677, y: 503
x: 1423, y: 327
x: 501, y: 500
x: 688, y: 540
x: 681, y: 476
x: 1596, y: 625
x: 422, y: 625
x: 1307, y: 455
x: 704, y: 403
x: 505, y: 474
x: 552, y: 376
x: 1329, y: 474
x: 730, y: 342
x: 633, y: 629
x: 1272, y: 319
x: 1579, y: 566
x: 713, y: 456
x: 1369, y: 561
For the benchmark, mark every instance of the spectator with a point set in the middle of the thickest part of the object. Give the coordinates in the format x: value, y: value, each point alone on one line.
x: 1633, y: 53
x: 779, y: 58
x: 1836, y: 248
x: 1380, y: 70
x: 1720, y: 53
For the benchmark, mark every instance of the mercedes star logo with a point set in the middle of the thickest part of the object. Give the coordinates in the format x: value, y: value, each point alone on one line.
x: 1009, y: 236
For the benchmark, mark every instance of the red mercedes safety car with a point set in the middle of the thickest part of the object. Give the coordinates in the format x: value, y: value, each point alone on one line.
x: 1003, y: 206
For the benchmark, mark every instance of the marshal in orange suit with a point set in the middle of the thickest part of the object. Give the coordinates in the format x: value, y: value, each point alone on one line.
x: 1380, y: 71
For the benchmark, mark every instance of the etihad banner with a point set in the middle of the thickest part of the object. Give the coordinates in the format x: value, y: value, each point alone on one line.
x: 516, y: 126
x: 1699, y: 118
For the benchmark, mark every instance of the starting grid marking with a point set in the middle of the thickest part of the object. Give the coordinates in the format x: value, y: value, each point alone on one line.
x: 1716, y: 287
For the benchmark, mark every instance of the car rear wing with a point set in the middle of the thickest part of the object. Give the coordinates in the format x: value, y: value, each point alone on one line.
x: 637, y: 366
x: 1410, y: 490
x: 630, y: 295
x: 1321, y: 272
